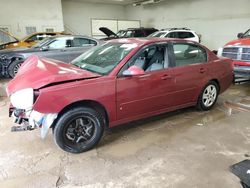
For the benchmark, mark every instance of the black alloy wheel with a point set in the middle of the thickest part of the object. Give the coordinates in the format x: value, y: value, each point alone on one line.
x: 79, y: 130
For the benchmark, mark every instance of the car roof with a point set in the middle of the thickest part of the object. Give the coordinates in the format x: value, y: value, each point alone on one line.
x: 72, y: 36
x: 148, y: 40
x: 178, y: 30
x: 42, y: 33
x: 141, y: 28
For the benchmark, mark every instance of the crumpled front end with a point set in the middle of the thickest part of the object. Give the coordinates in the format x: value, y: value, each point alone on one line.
x: 25, y: 116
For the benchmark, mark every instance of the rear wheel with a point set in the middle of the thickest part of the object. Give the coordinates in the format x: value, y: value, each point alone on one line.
x: 78, y: 130
x: 208, y: 96
x: 14, y: 67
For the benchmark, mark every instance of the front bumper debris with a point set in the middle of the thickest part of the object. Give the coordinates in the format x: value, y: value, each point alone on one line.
x: 23, y: 127
x: 30, y: 120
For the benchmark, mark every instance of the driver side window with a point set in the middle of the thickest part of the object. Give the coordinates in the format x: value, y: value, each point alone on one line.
x: 60, y: 43
x: 151, y: 59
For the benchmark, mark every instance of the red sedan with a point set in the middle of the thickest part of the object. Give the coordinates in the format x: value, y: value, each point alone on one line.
x: 118, y: 82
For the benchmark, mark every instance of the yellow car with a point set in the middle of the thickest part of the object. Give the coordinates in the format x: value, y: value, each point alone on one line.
x: 9, y: 41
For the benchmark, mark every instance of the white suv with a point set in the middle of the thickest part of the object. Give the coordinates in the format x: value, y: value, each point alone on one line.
x: 181, y: 33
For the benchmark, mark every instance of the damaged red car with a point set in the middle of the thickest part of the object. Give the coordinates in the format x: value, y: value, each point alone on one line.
x: 120, y: 81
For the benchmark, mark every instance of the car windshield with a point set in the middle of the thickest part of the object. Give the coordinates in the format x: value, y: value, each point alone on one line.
x: 121, y: 33
x: 103, y: 59
x: 6, y: 38
x: 158, y: 34
x: 125, y: 33
x: 42, y: 43
x: 247, y: 34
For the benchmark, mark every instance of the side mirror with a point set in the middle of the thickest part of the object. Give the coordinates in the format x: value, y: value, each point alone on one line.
x: 45, y: 48
x: 240, y: 35
x: 133, y: 71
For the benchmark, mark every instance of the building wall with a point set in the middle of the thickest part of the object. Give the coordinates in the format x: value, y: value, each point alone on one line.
x: 17, y: 14
x: 77, y: 15
x: 218, y: 21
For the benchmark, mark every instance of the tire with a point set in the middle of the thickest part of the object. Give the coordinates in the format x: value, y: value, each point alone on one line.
x: 208, y: 96
x: 78, y: 130
x: 14, y: 67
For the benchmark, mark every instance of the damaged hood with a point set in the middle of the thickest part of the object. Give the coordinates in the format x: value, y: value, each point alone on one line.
x: 239, y: 42
x: 107, y: 32
x: 37, y: 73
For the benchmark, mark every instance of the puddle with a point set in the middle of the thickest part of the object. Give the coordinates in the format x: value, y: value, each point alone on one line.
x: 230, y: 106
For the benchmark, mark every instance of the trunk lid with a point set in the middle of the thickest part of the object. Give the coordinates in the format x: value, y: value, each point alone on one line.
x: 107, y: 32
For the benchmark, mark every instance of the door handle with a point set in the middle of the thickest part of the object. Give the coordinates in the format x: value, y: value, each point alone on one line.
x: 202, y: 70
x: 166, y: 77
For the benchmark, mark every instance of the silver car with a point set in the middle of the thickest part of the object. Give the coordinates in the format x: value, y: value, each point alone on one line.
x: 63, y: 48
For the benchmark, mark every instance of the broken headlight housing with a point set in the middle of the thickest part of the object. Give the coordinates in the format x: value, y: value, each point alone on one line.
x: 23, y: 99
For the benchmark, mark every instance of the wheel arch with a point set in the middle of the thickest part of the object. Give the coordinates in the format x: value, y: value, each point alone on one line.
x: 16, y: 58
x: 86, y: 103
x: 201, y: 89
x: 199, y: 105
x: 13, y: 62
x: 217, y: 82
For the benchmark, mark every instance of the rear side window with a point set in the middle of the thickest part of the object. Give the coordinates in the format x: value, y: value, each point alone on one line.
x: 172, y: 35
x: 184, y: 35
x: 181, y: 35
x: 93, y: 42
x: 81, y: 42
x: 187, y: 54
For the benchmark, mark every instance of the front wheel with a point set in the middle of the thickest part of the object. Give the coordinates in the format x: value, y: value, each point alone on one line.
x: 78, y: 130
x: 14, y: 67
x: 208, y: 96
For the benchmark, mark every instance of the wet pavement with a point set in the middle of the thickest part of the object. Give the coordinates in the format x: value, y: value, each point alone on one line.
x: 185, y: 148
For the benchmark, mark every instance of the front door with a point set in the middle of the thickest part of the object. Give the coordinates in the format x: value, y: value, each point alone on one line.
x: 58, y: 49
x: 141, y: 95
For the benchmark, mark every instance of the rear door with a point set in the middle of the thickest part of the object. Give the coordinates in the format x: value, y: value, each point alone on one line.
x: 141, y: 95
x: 190, y: 72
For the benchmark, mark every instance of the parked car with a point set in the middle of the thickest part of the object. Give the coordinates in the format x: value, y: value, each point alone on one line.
x: 127, y: 33
x: 64, y: 48
x: 181, y: 33
x: 239, y: 51
x: 114, y: 83
x: 28, y: 41
x: 6, y: 38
